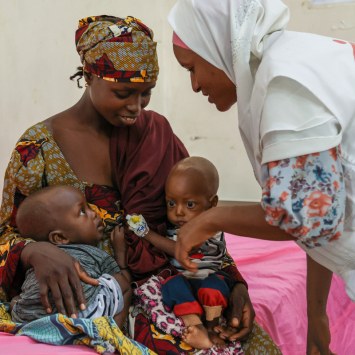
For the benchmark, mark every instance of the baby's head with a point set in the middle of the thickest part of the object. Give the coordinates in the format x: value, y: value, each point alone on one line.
x: 59, y: 214
x: 191, y: 188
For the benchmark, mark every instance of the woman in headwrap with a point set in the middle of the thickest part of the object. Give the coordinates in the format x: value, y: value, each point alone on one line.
x: 296, y: 108
x: 113, y: 150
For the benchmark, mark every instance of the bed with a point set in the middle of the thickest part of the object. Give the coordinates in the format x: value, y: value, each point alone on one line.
x: 276, y: 273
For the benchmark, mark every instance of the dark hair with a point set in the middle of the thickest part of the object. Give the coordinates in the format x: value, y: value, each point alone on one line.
x: 34, y: 216
x: 79, y: 74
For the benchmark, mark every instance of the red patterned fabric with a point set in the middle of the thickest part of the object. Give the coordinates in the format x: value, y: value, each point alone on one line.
x: 29, y: 149
x: 10, y: 279
x: 131, y: 45
x: 230, y: 268
x: 18, y: 198
x: 103, y: 197
x: 144, y: 333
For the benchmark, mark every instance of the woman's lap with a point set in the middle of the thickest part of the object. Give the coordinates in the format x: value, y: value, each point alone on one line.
x: 259, y: 343
x: 155, y: 339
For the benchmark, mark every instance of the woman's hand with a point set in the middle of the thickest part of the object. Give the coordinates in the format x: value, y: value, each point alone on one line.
x: 58, y: 272
x: 240, y: 315
x: 318, y: 336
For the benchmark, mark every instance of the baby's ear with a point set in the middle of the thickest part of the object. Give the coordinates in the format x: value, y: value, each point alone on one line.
x: 57, y: 238
x: 214, y: 201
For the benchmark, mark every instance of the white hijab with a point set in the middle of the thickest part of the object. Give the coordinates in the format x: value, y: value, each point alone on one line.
x: 227, y: 34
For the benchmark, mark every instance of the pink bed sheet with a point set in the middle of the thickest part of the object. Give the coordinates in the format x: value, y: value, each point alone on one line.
x: 24, y: 345
x: 276, y: 273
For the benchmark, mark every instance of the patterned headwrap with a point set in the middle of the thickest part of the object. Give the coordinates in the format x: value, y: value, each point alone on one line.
x: 121, y: 52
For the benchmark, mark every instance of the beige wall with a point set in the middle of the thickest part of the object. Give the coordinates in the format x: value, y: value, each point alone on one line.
x: 38, y: 56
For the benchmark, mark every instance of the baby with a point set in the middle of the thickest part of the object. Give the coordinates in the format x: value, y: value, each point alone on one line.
x: 191, y: 189
x: 61, y: 215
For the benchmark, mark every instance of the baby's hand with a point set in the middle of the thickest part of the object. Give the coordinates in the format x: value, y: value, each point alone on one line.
x: 120, y: 247
x: 118, y: 240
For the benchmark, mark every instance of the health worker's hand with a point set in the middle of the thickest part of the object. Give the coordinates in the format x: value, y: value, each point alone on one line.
x: 190, y: 237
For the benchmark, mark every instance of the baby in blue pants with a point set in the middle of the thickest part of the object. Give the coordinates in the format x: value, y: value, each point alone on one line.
x: 191, y: 189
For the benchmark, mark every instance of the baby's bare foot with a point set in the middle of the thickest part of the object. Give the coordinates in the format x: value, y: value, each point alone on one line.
x: 225, y: 332
x: 216, y: 340
x: 197, y: 337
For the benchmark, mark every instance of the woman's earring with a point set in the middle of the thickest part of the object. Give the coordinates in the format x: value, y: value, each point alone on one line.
x: 86, y: 84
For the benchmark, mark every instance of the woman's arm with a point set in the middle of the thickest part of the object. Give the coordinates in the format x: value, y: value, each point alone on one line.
x: 55, y: 270
x: 246, y: 220
x: 240, y: 313
x: 319, y: 280
x: 230, y: 268
x: 303, y: 196
x: 22, y: 176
